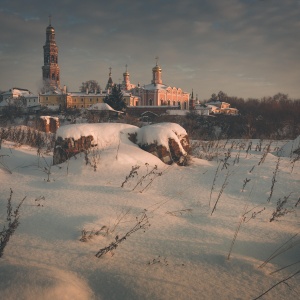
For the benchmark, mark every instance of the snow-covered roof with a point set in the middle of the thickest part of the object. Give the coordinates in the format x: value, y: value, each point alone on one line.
x: 17, y: 92
x: 55, y: 91
x: 84, y: 94
x: 202, y: 107
x: 47, y: 118
x: 102, y: 107
x: 152, y: 86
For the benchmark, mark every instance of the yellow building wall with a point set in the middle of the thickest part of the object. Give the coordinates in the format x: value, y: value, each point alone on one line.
x: 83, y: 101
x: 53, y: 100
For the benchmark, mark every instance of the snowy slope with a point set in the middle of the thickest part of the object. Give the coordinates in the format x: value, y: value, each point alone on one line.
x: 182, y: 255
x: 288, y: 150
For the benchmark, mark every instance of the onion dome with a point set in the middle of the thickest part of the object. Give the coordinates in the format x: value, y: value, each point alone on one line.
x: 156, y: 68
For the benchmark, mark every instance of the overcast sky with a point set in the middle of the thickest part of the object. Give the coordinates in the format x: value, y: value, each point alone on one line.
x: 246, y: 48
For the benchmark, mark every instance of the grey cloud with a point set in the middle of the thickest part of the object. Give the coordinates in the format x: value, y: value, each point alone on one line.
x: 201, y: 44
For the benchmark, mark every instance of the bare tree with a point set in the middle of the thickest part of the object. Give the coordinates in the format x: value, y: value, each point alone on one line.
x: 91, y: 86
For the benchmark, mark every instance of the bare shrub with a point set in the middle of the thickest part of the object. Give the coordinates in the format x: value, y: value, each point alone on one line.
x: 11, y: 222
x: 131, y: 174
x: 87, y: 235
x: 280, y: 209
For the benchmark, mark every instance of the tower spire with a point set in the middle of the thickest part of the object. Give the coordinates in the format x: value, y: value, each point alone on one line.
x: 50, y: 20
x: 110, y: 82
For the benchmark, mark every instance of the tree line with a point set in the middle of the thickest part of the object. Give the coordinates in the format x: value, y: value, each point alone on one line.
x: 274, y: 117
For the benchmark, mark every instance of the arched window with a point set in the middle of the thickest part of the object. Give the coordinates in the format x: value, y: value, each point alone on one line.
x: 169, y: 102
x: 52, y: 58
x: 185, y: 105
x: 150, y: 102
x: 174, y: 103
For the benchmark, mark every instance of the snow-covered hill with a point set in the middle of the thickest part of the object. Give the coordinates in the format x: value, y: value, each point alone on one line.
x: 184, y: 252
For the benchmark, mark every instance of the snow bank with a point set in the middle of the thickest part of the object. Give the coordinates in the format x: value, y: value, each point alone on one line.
x: 161, y: 133
x: 41, y: 282
x: 104, y: 134
x: 289, y: 148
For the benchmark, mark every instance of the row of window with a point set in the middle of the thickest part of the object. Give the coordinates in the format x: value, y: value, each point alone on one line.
x: 52, y: 76
x: 82, y: 100
x: 162, y: 103
x: 57, y: 98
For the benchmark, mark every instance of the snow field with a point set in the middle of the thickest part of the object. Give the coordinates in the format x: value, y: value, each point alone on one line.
x: 183, y: 253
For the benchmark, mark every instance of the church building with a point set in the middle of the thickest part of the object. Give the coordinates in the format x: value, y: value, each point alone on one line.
x: 159, y: 94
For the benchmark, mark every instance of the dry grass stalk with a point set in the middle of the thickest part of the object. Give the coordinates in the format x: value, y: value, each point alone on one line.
x: 274, y: 179
x: 290, y: 243
x: 142, y: 223
x: 281, y: 281
x: 242, y: 220
x: 177, y: 213
x: 225, y: 183
x: 214, y: 182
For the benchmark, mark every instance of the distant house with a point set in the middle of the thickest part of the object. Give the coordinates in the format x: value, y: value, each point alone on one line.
x: 202, y: 109
x: 102, y: 112
x: 54, y: 99
x: 21, y: 98
x: 85, y: 99
x: 218, y: 107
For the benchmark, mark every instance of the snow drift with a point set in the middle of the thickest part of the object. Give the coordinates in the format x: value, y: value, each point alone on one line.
x: 290, y: 149
x: 168, y: 141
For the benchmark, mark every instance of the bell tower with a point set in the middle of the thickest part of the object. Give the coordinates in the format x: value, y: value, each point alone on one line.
x: 50, y: 68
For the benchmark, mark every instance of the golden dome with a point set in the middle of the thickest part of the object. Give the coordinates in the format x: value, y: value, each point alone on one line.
x: 156, y: 68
